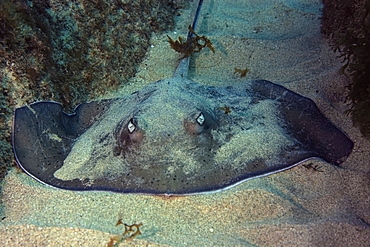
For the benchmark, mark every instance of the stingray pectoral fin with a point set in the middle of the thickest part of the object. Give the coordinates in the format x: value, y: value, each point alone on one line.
x: 317, y: 133
x: 307, y: 124
x: 43, y: 135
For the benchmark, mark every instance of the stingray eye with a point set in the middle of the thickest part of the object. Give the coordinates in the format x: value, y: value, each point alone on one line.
x: 127, y: 136
x: 131, y: 127
x: 135, y: 133
x: 200, y: 119
x: 195, y: 126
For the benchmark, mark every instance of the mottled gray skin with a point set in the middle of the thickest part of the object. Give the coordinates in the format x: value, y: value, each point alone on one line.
x: 175, y: 136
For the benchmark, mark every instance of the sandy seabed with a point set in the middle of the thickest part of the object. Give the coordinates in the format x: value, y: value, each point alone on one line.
x: 278, y: 41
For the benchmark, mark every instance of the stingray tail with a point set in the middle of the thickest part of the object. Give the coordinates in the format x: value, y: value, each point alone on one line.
x: 183, y: 67
x: 195, y: 21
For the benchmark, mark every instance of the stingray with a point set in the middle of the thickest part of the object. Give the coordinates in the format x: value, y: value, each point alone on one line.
x: 175, y: 136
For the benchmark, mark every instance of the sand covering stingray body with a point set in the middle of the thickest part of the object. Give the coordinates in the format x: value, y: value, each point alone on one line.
x: 174, y: 136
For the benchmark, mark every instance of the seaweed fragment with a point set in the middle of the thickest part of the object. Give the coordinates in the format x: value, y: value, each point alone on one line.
x: 129, y: 233
x: 226, y: 109
x: 132, y: 230
x: 313, y: 167
x: 242, y: 72
x: 195, y: 44
x: 119, y: 222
